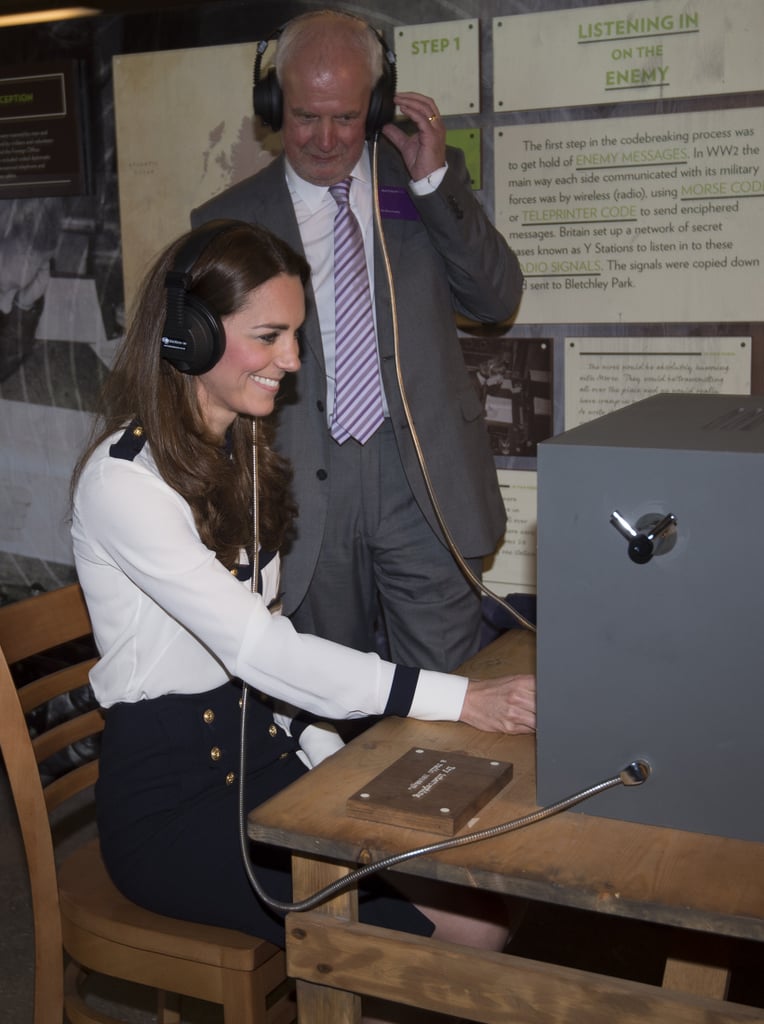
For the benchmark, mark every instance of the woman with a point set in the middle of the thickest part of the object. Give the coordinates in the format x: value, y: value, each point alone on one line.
x: 163, y: 541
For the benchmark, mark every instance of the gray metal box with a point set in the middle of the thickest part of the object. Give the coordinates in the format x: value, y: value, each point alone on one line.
x: 663, y: 660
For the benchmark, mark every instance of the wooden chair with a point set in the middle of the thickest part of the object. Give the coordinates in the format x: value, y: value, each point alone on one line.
x: 78, y: 911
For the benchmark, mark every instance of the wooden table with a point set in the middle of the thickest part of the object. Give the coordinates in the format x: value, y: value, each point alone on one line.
x: 709, y: 886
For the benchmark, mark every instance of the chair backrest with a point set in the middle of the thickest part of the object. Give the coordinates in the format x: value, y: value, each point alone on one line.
x: 46, y: 640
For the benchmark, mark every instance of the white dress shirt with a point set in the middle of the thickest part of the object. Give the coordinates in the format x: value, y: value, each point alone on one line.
x: 315, y: 209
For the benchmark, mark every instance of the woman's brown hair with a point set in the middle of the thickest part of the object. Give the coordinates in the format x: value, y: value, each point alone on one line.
x: 215, y: 481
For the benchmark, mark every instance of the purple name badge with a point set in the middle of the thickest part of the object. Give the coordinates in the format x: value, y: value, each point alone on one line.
x: 396, y: 203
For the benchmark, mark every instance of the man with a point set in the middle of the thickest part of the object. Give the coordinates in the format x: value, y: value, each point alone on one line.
x: 368, y: 538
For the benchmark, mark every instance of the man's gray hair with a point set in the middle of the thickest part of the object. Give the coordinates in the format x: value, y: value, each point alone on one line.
x: 321, y: 27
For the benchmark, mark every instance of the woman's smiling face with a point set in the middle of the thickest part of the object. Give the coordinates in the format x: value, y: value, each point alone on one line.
x: 261, y: 347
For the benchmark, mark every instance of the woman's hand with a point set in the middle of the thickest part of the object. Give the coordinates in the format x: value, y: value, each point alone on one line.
x: 506, y: 704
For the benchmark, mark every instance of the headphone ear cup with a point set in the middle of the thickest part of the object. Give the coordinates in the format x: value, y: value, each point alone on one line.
x: 193, y: 339
x: 382, y: 102
x: 267, y: 98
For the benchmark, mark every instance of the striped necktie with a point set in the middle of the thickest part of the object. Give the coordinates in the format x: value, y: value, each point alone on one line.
x: 358, y: 410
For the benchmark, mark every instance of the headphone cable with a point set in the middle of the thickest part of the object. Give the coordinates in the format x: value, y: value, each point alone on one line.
x: 341, y: 884
x: 452, y: 546
x: 633, y: 774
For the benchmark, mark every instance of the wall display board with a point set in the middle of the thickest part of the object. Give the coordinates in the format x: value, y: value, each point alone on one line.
x: 441, y: 60
x: 650, y: 49
x: 468, y: 140
x: 512, y: 570
x: 167, y: 166
x: 631, y: 219
x: 605, y: 374
x: 42, y: 140
x: 513, y: 378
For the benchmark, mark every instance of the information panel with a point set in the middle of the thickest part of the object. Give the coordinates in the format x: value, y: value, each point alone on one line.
x: 441, y: 60
x: 638, y: 219
x: 42, y: 150
x: 653, y: 49
x: 513, y: 568
x: 605, y: 374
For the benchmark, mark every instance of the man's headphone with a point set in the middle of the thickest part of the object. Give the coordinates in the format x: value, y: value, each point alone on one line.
x: 268, y: 98
x: 193, y: 338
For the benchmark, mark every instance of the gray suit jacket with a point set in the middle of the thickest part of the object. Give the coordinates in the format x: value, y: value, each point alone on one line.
x: 446, y: 257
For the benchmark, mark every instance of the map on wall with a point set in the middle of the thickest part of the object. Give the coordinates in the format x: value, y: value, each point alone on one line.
x: 158, y: 184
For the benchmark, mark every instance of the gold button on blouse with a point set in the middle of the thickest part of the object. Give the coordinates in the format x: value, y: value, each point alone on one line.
x: 241, y: 703
x: 209, y: 716
x: 215, y: 753
x: 230, y: 779
x: 272, y: 730
x: 284, y: 755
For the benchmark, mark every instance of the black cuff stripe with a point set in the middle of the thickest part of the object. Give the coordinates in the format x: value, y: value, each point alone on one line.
x: 300, y: 723
x: 402, y: 691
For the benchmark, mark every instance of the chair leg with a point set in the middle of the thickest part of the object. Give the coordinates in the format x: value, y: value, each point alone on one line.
x: 263, y: 996
x: 244, y: 998
x: 76, y: 1010
x: 168, y: 1008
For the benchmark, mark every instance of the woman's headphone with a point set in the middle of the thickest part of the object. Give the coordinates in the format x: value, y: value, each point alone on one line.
x: 193, y: 338
x: 268, y: 99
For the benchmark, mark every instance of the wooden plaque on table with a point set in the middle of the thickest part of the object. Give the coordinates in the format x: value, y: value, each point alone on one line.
x: 432, y: 790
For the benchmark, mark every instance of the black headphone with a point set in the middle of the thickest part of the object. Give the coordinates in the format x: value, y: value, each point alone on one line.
x: 193, y: 338
x: 268, y: 99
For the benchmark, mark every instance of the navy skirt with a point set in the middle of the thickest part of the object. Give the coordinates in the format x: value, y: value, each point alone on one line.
x: 167, y: 801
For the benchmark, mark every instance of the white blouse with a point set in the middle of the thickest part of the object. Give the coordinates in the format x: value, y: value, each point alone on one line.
x: 168, y: 617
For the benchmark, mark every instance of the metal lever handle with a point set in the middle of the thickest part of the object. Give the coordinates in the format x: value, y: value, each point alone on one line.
x: 641, y: 546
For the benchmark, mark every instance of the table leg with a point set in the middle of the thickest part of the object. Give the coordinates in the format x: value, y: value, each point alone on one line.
x: 698, y: 963
x: 317, y: 1004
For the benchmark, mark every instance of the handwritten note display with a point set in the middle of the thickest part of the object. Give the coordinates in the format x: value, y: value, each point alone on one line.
x: 441, y: 60
x: 650, y: 49
x: 604, y: 374
x: 512, y: 569
x: 636, y: 219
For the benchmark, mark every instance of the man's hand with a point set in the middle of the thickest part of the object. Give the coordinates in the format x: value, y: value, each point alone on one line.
x: 507, y: 704
x: 425, y: 150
